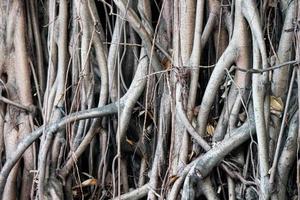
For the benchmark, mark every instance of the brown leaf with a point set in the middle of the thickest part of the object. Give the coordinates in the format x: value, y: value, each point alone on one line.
x: 89, y: 182
x: 191, y: 155
x: 210, y: 129
x: 173, y: 178
x: 86, y: 183
x: 130, y: 142
x: 166, y: 63
x: 276, y: 103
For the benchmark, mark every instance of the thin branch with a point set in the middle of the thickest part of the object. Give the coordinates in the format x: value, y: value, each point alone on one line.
x: 276, y: 156
x: 52, y: 129
x: 293, y: 62
x: 17, y: 105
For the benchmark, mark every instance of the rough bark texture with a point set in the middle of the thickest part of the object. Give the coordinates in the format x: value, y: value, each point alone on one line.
x: 141, y: 99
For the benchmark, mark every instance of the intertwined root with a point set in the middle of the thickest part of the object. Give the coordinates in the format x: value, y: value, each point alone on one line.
x: 149, y: 99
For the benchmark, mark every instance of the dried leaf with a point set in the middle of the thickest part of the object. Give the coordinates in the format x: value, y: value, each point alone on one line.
x: 86, y: 183
x: 89, y: 182
x: 130, y: 142
x: 141, y: 113
x: 276, y: 103
x: 166, y: 63
x: 191, y: 155
x: 242, y: 116
x: 173, y: 178
x: 210, y: 129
